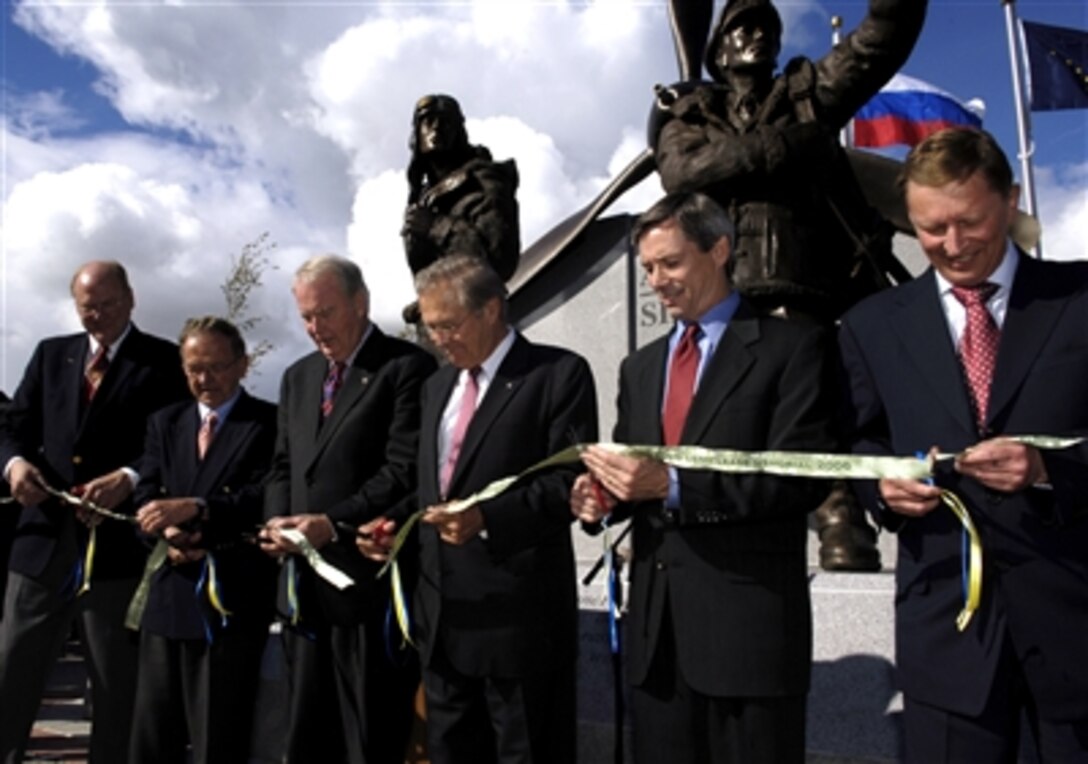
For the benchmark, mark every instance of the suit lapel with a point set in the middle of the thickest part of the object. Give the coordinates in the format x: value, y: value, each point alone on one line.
x: 430, y: 425
x: 1035, y: 305
x: 918, y: 320
x: 723, y: 372
x: 503, y: 387
x: 649, y: 374
x: 72, y: 383
x: 357, y: 379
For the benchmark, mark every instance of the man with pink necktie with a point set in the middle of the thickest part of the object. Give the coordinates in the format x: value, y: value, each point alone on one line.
x: 988, y: 342
x: 495, y: 603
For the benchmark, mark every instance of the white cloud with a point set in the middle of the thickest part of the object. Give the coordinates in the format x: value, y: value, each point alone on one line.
x: 1063, y: 205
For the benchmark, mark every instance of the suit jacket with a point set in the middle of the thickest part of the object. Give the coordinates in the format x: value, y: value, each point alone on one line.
x: 72, y: 443
x: 906, y: 394
x: 231, y: 480
x: 506, y: 605
x: 729, y: 565
x: 352, y: 467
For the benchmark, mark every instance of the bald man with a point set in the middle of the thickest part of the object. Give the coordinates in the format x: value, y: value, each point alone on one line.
x: 77, y: 423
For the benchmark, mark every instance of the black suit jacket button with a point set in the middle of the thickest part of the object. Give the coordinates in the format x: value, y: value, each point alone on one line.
x: 77, y: 459
x: 660, y: 565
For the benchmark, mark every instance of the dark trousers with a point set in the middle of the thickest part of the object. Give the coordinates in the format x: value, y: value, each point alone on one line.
x: 38, y: 615
x: 350, y: 697
x: 933, y: 735
x: 192, y: 692
x: 485, y: 720
x: 676, y: 724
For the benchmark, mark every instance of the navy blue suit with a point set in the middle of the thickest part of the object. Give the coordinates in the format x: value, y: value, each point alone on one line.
x: 907, y: 393
x: 72, y: 442
x: 195, y: 671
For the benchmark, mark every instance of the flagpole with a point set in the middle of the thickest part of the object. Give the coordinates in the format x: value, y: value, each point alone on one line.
x: 846, y: 135
x: 1023, y: 119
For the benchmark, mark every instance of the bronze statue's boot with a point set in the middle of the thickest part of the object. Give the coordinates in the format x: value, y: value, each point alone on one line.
x: 847, y: 541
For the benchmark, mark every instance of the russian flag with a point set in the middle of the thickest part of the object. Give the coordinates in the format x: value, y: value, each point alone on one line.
x: 906, y: 110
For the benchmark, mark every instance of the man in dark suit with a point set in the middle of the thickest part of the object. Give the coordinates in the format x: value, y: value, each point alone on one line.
x: 8, y: 517
x: 926, y: 371
x: 207, y: 615
x: 345, y: 453
x: 77, y: 423
x: 496, y: 598
x: 719, y: 635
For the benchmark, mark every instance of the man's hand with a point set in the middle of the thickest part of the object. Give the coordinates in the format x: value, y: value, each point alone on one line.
x: 455, y: 527
x: 27, y: 483
x: 375, y: 538
x: 1003, y: 465
x: 317, y: 529
x: 107, y: 491
x: 589, y: 502
x: 160, y: 513
x: 628, y: 478
x: 912, y: 498
x: 182, y: 547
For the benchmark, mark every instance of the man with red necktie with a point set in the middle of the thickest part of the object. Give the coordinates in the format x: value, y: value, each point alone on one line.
x: 719, y: 637
x: 77, y: 423
x: 345, y: 453
x: 988, y: 342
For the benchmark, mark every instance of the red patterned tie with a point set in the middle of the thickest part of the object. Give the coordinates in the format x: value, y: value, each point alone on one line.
x: 682, y: 368
x: 206, y: 434
x: 333, y: 380
x: 95, y: 372
x: 978, y: 346
x: 460, y: 427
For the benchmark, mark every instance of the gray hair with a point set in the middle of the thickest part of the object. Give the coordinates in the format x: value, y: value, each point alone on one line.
x: 346, y: 272
x: 701, y: 219
x: 472, y: 280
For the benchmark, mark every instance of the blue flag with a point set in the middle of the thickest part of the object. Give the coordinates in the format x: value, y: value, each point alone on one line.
x: 1057, y: 65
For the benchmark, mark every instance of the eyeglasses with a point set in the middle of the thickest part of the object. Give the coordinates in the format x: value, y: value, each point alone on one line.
x: 106, y: 306
x: 211, y: 369
x: 446, y: 328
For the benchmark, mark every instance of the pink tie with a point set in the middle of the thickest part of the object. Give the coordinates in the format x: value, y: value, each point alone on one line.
x: 206, y: 434
x: 460, y: 427
x: 978, y: 346
x: 682, y: 368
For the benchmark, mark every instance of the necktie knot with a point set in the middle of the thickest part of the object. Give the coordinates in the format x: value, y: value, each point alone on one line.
x: 977, y: 295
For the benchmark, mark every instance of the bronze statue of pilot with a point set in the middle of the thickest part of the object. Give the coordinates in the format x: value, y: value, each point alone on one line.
x: 459, y: 199
x: 764, y: 145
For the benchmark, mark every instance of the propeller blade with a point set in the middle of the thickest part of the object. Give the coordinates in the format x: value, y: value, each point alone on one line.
x: 879, y: 179
x: 690, y: 24
x: 555, y: 241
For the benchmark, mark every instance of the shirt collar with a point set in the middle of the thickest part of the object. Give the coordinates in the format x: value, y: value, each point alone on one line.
x: 1002, y: 276
x: 350, y: 360
x: 223, y: 410
x: 112, y: 352
x: 715, y: 320
x: 490, y: 367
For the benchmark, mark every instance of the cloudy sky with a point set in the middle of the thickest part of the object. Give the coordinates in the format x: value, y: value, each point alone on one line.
x: 168, y: 135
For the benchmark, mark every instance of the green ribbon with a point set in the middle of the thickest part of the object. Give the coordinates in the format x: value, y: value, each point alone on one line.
x: 783, y: 463
x: 136, y: 607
